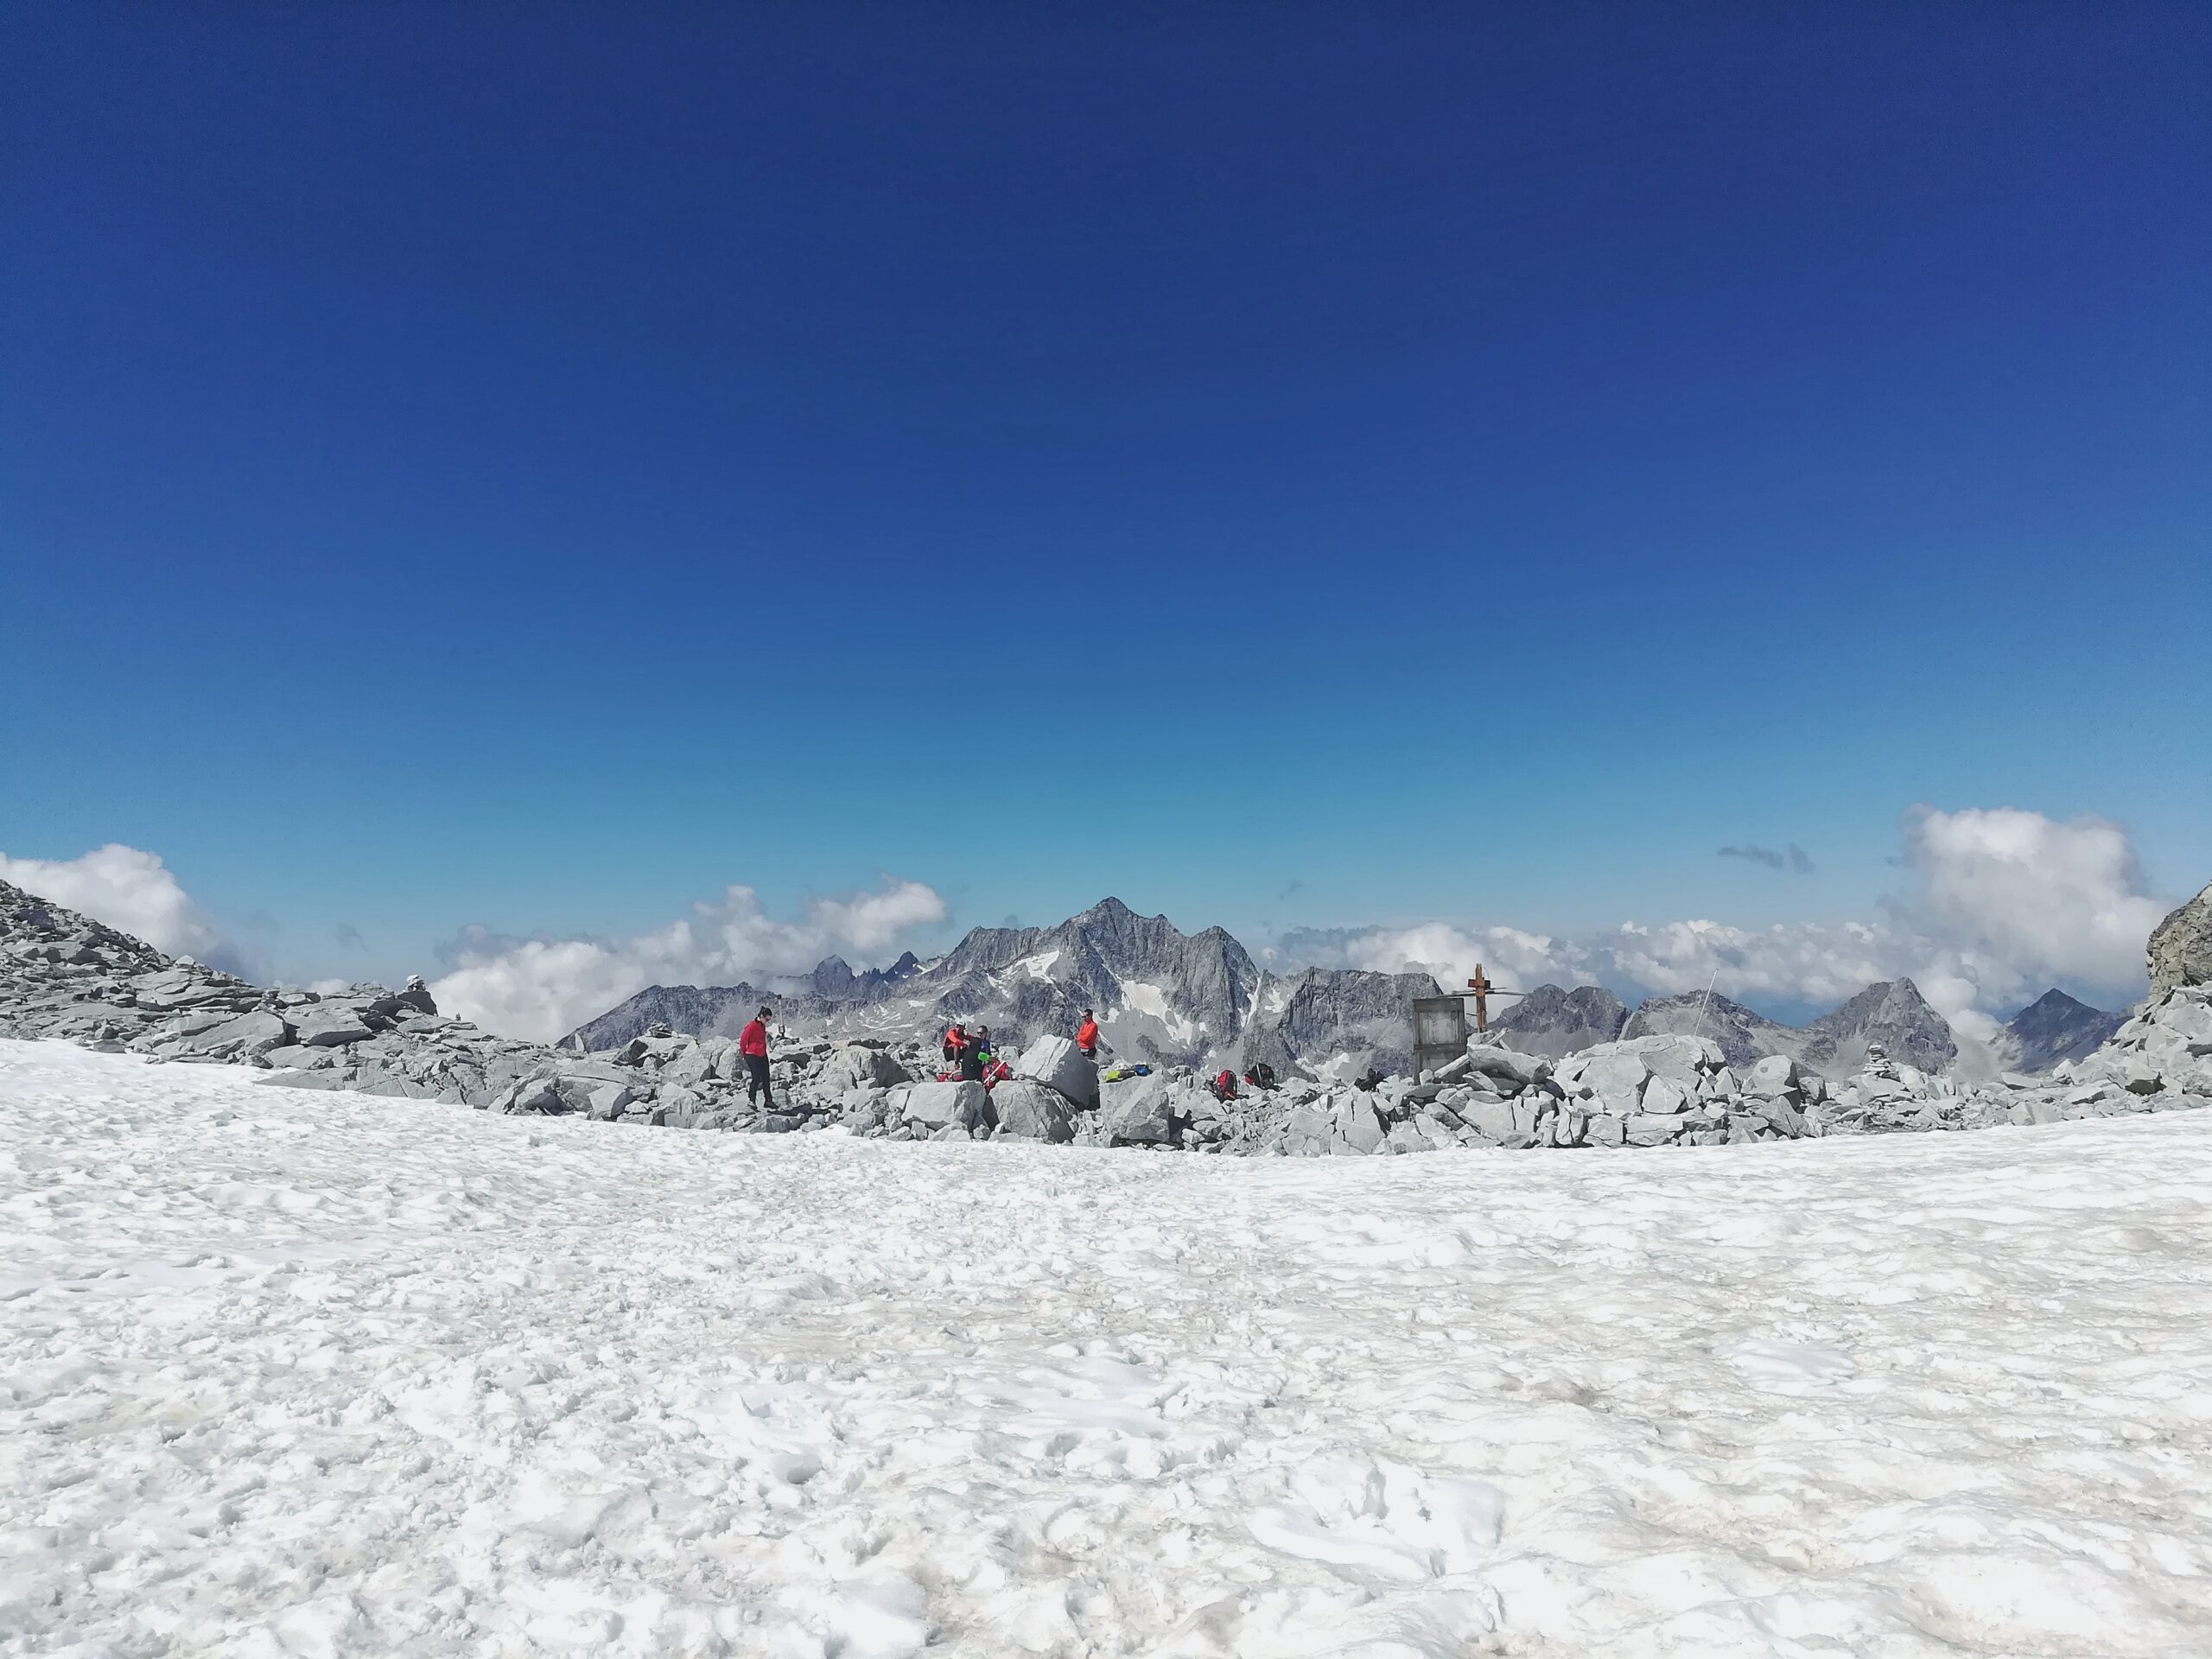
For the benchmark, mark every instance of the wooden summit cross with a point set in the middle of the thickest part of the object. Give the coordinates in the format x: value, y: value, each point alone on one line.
x: 1482, y: 990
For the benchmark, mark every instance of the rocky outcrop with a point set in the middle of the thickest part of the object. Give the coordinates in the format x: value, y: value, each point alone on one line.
x: 2180, y: 951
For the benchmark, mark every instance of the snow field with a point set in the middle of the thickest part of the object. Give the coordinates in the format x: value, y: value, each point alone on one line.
x: 320, y: 1373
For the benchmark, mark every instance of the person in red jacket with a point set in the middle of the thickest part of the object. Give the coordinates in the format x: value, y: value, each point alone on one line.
x: 1224, y: 1086
x: 955, y: 1039
x: 753, y: 1044
x: 1086, y: 1036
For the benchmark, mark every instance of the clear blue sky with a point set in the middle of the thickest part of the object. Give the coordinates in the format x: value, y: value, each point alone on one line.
x: 536, y: 465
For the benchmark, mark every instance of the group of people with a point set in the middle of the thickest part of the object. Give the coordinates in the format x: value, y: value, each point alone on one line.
x: 968, y: 1057
x: 967, y: 1054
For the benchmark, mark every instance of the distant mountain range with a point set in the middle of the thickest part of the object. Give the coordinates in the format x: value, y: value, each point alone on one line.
x: 1894, y: 1013
x: 1163, y: 996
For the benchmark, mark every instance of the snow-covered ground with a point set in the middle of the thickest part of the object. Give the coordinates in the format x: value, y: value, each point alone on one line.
x: 326, y: 1375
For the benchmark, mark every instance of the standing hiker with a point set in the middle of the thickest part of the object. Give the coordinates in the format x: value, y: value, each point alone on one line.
x: 1086, y: 1036
x: 753, y: 1044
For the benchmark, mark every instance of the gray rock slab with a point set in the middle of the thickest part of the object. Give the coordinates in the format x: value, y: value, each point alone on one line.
x: 945, y: 1105
x: 1031, y: 1111
x: 1057, y: 1064
x: 327, y: 1025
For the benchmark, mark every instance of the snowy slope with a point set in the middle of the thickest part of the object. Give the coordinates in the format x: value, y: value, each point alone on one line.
x: 322, y: 1374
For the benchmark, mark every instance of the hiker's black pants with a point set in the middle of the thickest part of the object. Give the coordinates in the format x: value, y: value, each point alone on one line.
x: 756, y: 1079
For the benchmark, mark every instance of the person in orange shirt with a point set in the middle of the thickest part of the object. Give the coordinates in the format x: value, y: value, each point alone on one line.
x: 1086, y: 1036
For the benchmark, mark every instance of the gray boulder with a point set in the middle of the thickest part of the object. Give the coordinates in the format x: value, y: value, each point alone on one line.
x: 1490, y: 1118
x: 1614, y: 1077
x: 327, y: 1025
x: 862, y: 1065
x: 1505, y: 1067
x: 1774, y: 1074
x: 1359, y: 1128
x: 244, y: 1036
x: 1031, y: 1111
x: 1140, y: 1113
x: 1057, y: 1064
x: 608, y: 1101
x: 945, y: 1105
x: 1678, y: 1057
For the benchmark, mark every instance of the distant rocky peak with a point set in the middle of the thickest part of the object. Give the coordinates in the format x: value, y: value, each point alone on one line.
x: 1892, y: 1013
x: 832, y: 976
x: 1554, y: 1022
x: 2052, y: 1029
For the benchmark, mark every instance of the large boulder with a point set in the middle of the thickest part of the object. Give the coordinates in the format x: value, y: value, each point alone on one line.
x: 1614, y: 1076
x: 1774, y: 1075
x: 1672, y: 1055
x: 2180, y: 951
x: 327, y: 1025
x: 242, y: 1037
x: 1490, y: 1118
x: 862, y: 1065
x: 1505, y: 1066
x: 1140, y: 1113
x: 1031, y: 1112
x: 696, y: 1062
x: 1059, y: 1064
x: 1359, y: 1128
x: 945, y: 1105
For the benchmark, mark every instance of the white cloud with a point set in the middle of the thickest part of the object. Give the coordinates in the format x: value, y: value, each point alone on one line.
x: 1451, y: 954
x: 2007, y: 901
x: 127, y: 889
x: 2036, y: 895
x: 544, y: 988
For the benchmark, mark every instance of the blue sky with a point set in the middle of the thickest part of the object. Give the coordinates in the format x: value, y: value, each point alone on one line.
x: 1279, y: 465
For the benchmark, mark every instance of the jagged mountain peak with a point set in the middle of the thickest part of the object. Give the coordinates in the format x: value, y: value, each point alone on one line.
x: 1892, y: 1013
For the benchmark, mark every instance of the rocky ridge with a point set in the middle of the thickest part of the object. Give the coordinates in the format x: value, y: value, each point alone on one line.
x: 63, y: 975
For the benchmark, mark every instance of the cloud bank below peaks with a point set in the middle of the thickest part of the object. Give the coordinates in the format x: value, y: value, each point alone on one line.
x: 2004, y: 902
x: 543, y: 987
